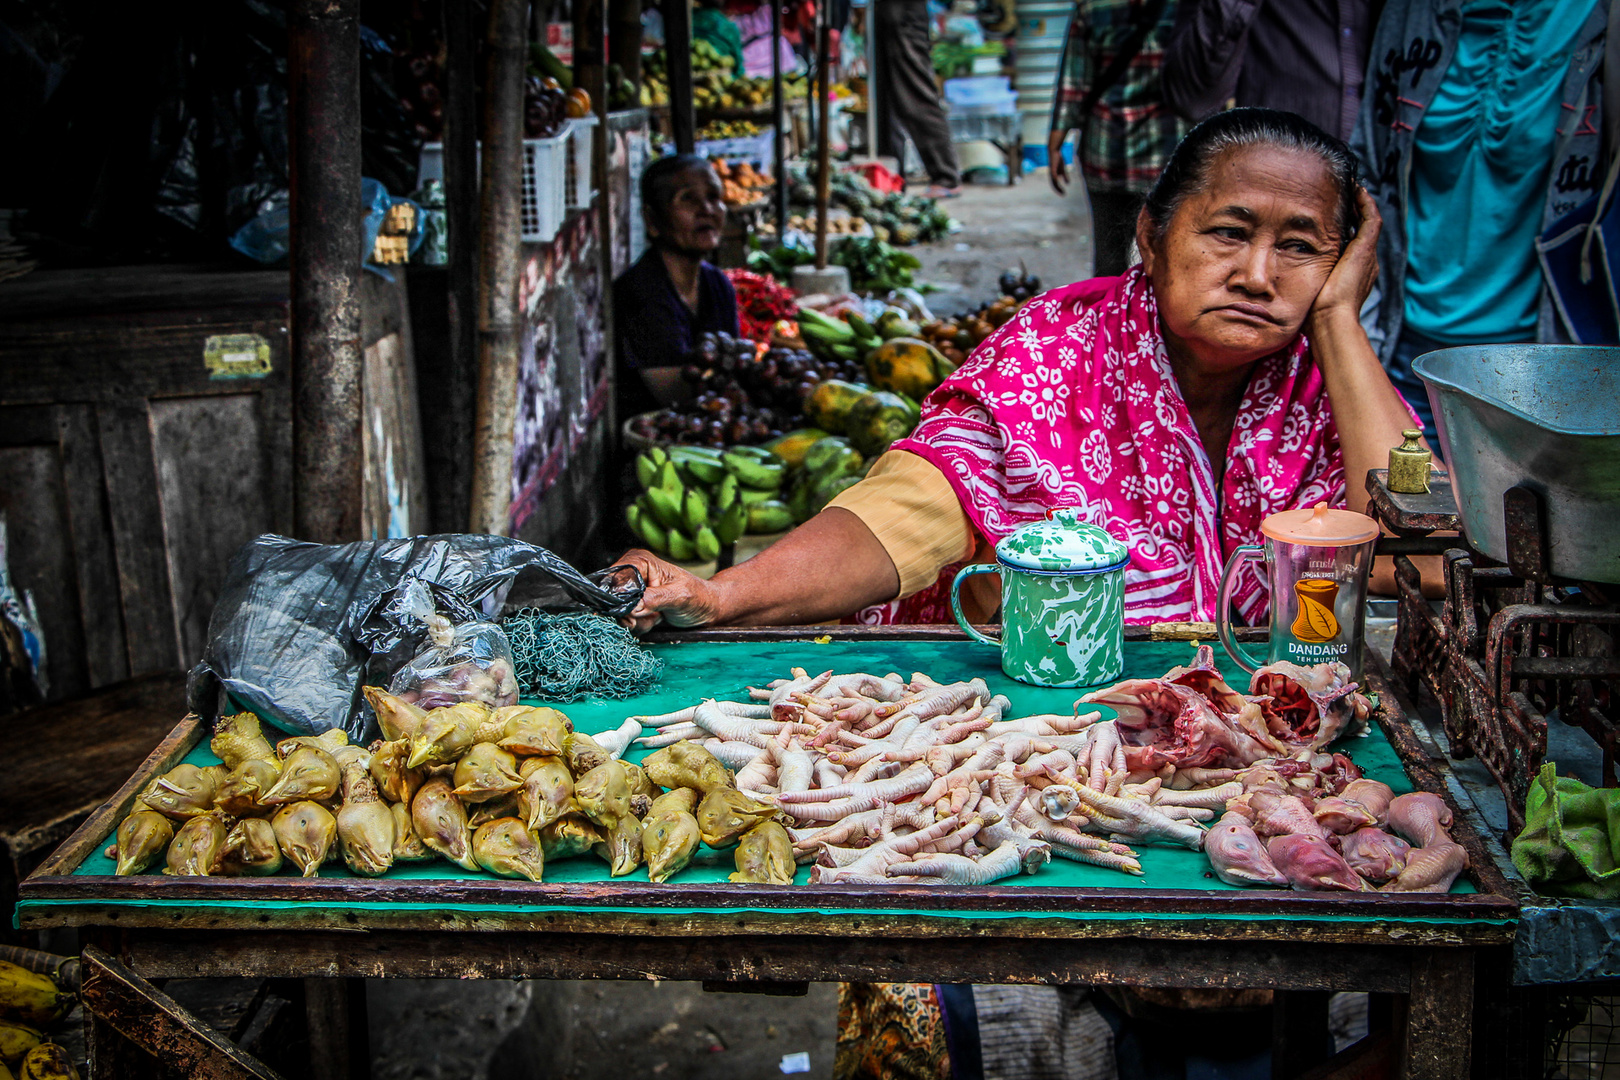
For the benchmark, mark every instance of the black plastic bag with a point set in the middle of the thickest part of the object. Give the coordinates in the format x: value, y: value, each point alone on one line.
x: 300, y: 627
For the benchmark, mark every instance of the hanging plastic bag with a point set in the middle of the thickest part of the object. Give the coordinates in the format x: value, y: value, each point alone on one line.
x: 299, y: 627
x: 464, y: 661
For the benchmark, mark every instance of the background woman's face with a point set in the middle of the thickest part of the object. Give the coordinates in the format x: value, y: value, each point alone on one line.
x: 697, y: 213
x: 1241, y: 262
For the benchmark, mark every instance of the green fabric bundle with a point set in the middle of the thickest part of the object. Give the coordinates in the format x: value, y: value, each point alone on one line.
x: 1570, y: 845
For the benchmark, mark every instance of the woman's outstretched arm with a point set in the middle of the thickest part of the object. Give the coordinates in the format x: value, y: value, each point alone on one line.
x: 826, y: 568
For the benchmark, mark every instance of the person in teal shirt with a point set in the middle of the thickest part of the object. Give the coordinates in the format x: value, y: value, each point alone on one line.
x: 710, y: 24
x: 1472, y: 135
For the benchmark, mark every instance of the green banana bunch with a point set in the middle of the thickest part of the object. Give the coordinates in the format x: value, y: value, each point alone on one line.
x: 755, y: 468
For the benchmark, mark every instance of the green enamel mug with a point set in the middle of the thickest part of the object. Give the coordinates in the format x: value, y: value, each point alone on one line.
x: 1062, y: 602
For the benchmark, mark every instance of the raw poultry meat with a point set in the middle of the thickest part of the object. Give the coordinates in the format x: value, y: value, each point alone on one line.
x: 1431, y: 869
x: 1310, y: 862
x: 1421, y: 818
x: 1361, y: 803
x: 1309, y: 706
x: 1374, y: 854
x: 1238, y: 856
x: 1165, y: 723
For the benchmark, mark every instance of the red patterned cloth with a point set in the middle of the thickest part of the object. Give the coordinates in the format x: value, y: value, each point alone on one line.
x: 1073, y: 404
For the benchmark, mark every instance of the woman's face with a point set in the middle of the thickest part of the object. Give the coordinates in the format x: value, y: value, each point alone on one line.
x: 1241, y: 261
x: 697, y: 213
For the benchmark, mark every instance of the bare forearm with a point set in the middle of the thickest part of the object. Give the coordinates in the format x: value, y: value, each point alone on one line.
x: 826, y: 568
x: 1367, y: 409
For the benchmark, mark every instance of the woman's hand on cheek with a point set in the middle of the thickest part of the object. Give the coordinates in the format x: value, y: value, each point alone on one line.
x: 673, y: 595
x: 1354, y: 275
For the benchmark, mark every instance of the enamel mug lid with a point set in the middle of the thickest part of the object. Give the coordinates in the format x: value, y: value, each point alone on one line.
x: 1062, y: 544
x: 1320, y: 526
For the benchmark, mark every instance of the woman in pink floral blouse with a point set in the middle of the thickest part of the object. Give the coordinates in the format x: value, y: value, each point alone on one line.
x: 1224, y: 378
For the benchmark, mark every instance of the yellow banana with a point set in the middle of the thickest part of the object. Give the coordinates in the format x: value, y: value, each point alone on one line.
x: 47, y: 1061
x: 5, y: 1073
x: 30, y: 997
x: 16, y: 1040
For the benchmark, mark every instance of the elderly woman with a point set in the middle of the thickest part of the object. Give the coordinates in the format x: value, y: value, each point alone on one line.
x: 1223, y: 379
x: 665, y: 302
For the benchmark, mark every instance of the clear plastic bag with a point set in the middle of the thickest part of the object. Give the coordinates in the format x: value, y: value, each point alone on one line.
x: 467, y: 661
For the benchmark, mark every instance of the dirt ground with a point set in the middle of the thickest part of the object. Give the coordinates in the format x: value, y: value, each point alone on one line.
x: 1026, y: 225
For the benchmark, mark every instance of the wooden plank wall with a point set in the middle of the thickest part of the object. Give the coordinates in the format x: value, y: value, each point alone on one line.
x: 129, y: 473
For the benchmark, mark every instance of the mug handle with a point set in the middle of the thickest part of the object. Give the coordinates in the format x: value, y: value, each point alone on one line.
x: 956, y: 599
x: 1223, y: 611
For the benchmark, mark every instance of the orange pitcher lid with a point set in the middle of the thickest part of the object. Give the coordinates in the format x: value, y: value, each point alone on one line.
x: 1320, y: 527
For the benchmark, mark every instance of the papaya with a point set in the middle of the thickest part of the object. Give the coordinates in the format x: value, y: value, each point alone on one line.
x: 832, y: 456
x: 877, y: 420
x: 823, y: 491
x: 830, y: 402
x: 791, y: 447
x: 907, y: 366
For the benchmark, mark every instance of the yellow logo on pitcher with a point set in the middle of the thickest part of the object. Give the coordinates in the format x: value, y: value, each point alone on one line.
x: 1315, y: 622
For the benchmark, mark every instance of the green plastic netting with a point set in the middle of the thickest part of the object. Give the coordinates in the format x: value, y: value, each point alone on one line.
x: 567, y: 657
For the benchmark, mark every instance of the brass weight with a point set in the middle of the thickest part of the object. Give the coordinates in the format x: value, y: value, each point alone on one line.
x: 1409, y: 465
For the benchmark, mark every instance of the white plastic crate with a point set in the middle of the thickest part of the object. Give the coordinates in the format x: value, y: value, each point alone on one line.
x: 545, y: 187
x: 545, y: 182
x: 581, y: 185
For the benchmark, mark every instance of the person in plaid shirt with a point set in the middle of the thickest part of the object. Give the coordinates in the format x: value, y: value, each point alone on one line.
x: 1129, y: 133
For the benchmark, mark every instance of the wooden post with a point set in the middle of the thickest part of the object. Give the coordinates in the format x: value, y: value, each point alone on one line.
x: 453, y: 503
x: 624, y: 40
x: 678, y: 51
x: 323, y: 126
x: 500, y: 266
x: 779, y: 194
x: 823, y: 110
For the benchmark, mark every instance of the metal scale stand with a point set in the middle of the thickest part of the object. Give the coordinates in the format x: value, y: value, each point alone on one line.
x: 1512, y: 643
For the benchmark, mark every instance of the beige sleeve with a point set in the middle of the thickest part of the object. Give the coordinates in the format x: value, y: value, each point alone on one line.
x: 910, y: 507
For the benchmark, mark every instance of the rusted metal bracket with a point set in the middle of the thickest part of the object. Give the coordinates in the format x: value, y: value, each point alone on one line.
x: 1525, y: 519
x: 174, y: 1040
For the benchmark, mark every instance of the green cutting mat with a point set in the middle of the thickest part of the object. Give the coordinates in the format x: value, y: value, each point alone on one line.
x: 725, y: 670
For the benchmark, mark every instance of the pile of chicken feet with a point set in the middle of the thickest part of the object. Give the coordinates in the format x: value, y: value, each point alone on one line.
x: 912, y: 781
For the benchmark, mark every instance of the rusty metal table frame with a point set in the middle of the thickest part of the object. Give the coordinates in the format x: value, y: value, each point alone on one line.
x: 1420, y: 948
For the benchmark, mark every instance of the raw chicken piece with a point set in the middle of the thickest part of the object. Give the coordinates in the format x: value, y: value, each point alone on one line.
x: 1278, y: 815
x: 1310, y: 706
x: 1374, y: 854
x: 1309, y: 862
x: 1202, y: 678
x: 1237, y: 855
x: 1164, y: 723
x: 1431, y: 869
x: 1421, y: 818
x: 1340, y: 815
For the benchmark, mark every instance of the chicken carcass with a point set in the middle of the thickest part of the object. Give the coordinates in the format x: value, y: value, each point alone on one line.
x: 1309, y: 706
x: 1165, y: 723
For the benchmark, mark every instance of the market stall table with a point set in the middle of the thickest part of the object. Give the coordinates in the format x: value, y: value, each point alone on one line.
x: 1069, y: 923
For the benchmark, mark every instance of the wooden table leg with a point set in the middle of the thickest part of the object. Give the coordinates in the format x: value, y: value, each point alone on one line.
x: 339, y: 1042
x: 1439, y: 1016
